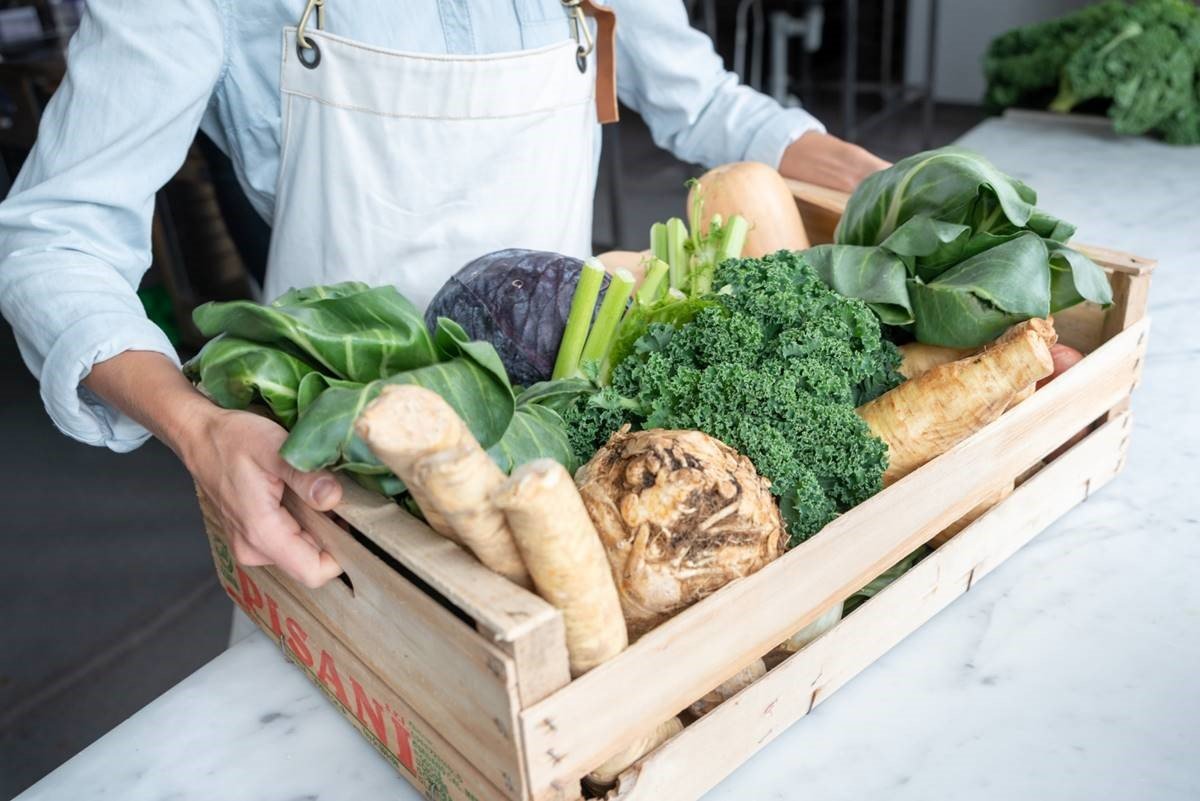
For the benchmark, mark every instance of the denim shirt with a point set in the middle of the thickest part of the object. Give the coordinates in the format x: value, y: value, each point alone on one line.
x: 142, y: 77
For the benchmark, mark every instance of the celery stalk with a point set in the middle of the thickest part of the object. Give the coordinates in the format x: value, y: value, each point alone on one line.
x: 658, y: 241
x: 599, y: 341
x: 733, y: 239
x: 652, y: 284
x: 575, y: 333
x: 677, y: 255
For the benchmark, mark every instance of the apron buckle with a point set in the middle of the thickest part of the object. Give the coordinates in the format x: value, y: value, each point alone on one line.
x: 307, y: 50
x: 580, y: 31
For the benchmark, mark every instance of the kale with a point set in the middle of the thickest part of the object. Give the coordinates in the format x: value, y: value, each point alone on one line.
x: 774, y: 368
x: 1139, y: 58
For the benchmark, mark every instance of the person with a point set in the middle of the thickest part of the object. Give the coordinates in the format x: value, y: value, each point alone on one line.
x: 385, y: 141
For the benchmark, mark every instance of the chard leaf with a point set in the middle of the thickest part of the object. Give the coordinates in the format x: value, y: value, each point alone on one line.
x: 349, y: 332
x: 235, y: 372
x: 871, y: 274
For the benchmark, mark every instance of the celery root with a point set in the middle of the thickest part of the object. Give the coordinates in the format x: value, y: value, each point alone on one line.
x: 563, y: 554
x: 927, y: 415
x: 605, y: 776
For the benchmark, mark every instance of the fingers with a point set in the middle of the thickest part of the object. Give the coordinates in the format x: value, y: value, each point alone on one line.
x: 318, y: 489
x: 295, y: 551
x: 247, y: 555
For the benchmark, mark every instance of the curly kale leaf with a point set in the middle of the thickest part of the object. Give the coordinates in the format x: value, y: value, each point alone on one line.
x: 774, y: 368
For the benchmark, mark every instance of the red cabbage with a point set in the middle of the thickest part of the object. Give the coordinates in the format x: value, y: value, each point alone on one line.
x: 518, y: 300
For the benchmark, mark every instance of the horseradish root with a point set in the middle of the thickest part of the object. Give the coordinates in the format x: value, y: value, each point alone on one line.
x: 461, y: 481
x: 564, y: 556
x: 427, y: 445
x: 605, y: 776
x: 927, y: 415
x: 729, y: 688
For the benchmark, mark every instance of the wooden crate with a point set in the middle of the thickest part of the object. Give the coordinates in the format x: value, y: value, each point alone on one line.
x: 460, y: 679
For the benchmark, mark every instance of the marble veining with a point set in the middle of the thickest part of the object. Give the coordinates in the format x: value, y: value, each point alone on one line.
x: 1068, y: 673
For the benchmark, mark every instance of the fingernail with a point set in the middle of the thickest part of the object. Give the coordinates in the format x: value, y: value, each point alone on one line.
x: 323, y: 491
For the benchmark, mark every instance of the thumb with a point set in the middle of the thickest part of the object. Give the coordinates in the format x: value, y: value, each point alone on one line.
x: 319, y: 489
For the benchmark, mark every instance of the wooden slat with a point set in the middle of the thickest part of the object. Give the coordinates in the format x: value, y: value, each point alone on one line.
x: 390, y: 724
x: 463, y: 685
x: 516, y: 620
x: 581, y: 725
x: 713, y: 747
x: 821, y: 207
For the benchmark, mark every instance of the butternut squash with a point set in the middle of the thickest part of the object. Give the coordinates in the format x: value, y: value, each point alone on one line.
x: 758, y: 193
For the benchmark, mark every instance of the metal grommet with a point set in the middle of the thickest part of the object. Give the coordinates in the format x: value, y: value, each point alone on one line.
x: 581, y: 58
x: 309, y: 56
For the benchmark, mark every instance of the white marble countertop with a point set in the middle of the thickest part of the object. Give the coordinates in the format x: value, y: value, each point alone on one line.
x: 1068, y: 673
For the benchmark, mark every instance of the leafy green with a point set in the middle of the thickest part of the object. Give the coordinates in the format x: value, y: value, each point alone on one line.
x: 236, y: 372
x: 318, y: 356
x: 774, y: 365
x: 945, y: 245
x: 1141, y: 59
x: 349, y: 330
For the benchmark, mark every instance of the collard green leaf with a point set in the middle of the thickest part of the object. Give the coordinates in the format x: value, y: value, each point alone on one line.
x: 536, y: 431
x: 871, y: 274
x: 928, y: 245
x: 236, y: 372
x: 944, y: 184
x: 975, y: 301
x: 1085, y: 279
x: 325, y: 434
x: 354, y: 335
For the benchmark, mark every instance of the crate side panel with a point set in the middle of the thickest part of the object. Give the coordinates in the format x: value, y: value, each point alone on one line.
x: 452, y: 676
x: 398, y: 733
x: 713, y: 747
x: 579, y: 726
x: 519, y: 622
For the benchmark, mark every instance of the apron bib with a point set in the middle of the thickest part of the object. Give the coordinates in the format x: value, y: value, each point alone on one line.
x: 399, y: 168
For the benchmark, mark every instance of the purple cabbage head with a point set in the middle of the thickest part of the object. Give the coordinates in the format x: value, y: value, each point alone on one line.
x: 518, y: 300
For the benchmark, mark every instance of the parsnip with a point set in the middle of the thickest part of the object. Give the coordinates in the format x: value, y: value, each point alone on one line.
x: 563, y: 554
x: 605, y: 776
x: 927, y: 415
x: 423, y: 441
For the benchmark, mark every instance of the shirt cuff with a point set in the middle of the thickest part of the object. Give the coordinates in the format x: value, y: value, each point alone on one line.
x: 773, y: 138
x: 75, y: 410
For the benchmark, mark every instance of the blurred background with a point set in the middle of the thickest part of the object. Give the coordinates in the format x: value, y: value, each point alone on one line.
x: 106, y: 589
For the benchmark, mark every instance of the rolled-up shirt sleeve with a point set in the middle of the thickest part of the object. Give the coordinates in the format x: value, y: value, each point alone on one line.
x: 669, y: 73
x: 75, y: 230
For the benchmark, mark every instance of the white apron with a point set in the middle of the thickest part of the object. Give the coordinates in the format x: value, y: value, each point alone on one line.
x: 399, y: 168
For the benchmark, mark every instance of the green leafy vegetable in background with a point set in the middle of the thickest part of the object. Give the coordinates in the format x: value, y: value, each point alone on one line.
x: 316, y: 357
x: 773, y: 365
x: 945, y: 245
x: 1141, y: 59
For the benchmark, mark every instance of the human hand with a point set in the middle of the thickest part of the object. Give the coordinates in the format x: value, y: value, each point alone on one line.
x: 825, y: 160
x: 234, y: 458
